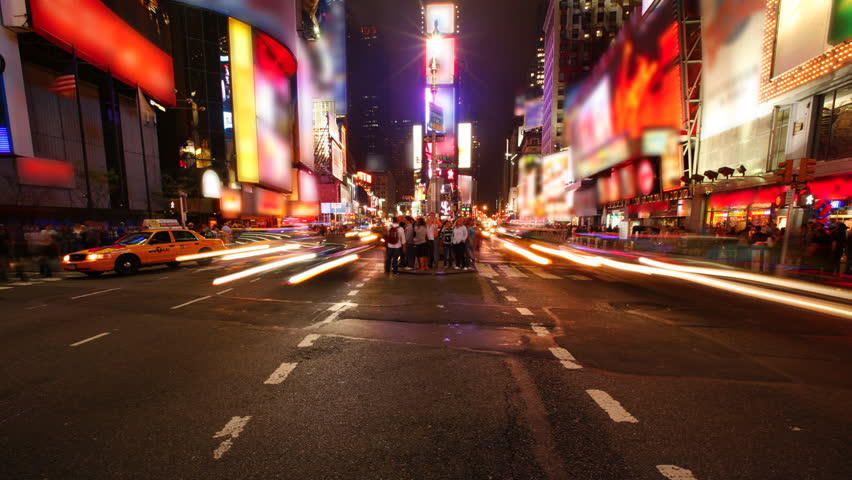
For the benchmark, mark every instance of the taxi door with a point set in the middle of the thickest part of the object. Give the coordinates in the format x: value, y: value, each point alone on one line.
x: 187, y: 242
x: 160, y: 248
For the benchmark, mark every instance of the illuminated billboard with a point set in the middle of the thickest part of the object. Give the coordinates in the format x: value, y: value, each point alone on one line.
x: 840, y: 29
x: 243, y: 100
x: 446, y: 99
x: 417, y: 146
x: 440, y: 18
x: 274, y: 17
x: 103, y: 39
x: 635, y: 87
x: 441, y: 56
x: 802, y: 33
x: 533, y: 113
x: 732, y: 42
x: 465, y: 133
x: 261, y: 69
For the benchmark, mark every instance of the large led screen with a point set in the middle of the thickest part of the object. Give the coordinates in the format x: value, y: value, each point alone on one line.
x: 440, y: 17
x: 274, y: 17
x: 446, y: 99
x: 732, y: 42
x: 465, y: 136
x: 417, y: 146
x: 636, y: 86
x: 102, y: 38
x: 802, y: 33
x: 274, y: 66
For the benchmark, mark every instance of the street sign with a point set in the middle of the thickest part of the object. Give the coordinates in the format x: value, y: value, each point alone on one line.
x: 436, y: 117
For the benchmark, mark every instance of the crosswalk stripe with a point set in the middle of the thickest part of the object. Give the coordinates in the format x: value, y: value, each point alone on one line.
x: 541, y: 273
x: 511, y: 271
x: 485, y: 270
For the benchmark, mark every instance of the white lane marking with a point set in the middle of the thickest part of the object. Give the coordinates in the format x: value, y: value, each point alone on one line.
x: 190, y: 302
x: 51, y: 279
x: 673, y: 472
x: 502, y: 289
x: 360, y: 285
x: 37, y: 306
x: 280, y: 373
x: 511, y: 299
x: 232, y: 430
x: 611, y: 406
x: 5, y: 288
x: 486, y: 271
x: 94, y: 293
x: 224, y: 291
x: 337, y: 306
x: 440, y: 306
x: 20, y: 284
x: 336, y: 311
x: 568, y: 361
x: 541, y: 273
x: 524, y: 311
x: 205, y: 269
x: 495, y: 282
x: 255, y: 280
x: 309, y: 340
x: 540, y: 330
x: 578, y: 277
x: 90, y: 339
x: 162, y: 278
x: 352, y: 293
x: 512, y: 271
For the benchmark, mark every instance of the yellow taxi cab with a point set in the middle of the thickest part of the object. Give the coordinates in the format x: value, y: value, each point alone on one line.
x: 156, y: 244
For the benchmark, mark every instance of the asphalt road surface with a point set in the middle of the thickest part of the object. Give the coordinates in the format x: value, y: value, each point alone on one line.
x: 515, y: 371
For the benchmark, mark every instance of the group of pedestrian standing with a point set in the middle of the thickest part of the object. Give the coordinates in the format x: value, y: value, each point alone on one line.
x: 423, y: 243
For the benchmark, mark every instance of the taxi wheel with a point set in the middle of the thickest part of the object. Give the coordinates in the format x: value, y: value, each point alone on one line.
x: 173, y: 265
x: 204, y: 261
x: 127, y: 265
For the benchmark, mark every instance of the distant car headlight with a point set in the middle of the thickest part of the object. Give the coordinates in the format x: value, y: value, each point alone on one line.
x: 66, y: 258
x: 97, y: 256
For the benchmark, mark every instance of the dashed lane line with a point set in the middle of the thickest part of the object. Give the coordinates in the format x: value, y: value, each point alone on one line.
x: 225, y: 291
x: 309, y: 340
x: 524, y: 311
x: 37, y: 306
x: 360, y: 285
x: 280, y: 373
x: 611, y: 406
x: 511, y: 299
x: 568, y: 361
x: 540, y: 330
x: 502, y: 289
x: 578, y: 277
x: 190, y: 302
x: 352, y: 293
x: 255, y: 280
x: 673, y: 472
x: 94, y: 293
x: 336, y: 310
x: 231, y: 430
x: 6, y: 288
x: 89, y: 339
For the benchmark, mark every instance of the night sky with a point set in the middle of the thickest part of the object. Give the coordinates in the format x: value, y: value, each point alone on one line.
x: 497, y: 44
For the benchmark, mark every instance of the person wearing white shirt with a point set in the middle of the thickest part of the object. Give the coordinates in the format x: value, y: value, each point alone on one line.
x: 393, y: 241
x: 460, y: 235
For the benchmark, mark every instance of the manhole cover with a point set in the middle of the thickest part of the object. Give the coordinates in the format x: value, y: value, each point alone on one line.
x: 638, y: 306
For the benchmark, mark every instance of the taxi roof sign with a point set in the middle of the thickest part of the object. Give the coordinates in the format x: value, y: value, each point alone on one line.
x: 160, y: 223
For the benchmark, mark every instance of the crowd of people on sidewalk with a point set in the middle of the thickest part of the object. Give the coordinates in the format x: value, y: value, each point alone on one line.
x: 429, y: 242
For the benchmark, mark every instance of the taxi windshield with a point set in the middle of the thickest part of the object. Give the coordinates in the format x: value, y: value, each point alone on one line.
x: 133, y: 238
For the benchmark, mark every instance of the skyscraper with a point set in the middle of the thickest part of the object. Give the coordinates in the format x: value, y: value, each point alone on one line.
x: 368, y: 98
x: 576, y: 35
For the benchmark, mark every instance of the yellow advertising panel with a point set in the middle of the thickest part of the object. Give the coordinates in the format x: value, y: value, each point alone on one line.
x: 242, y: 90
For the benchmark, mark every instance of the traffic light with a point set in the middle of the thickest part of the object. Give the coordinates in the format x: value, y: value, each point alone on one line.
x: 807, y: 167
x: 784, y: 173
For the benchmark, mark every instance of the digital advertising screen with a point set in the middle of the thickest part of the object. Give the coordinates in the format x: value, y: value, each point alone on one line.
x: 441, y: 56
x: 446, y: 100
x: 440, y: 17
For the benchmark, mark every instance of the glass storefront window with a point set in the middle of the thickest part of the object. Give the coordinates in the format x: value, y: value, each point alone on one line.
x: 778, y: 140
x: 834, y: 132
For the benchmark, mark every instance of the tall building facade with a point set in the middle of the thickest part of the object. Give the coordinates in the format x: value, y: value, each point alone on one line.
x: 576, y: 35
x: 368, y: 91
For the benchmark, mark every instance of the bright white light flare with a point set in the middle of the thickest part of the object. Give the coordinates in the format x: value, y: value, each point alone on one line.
x: 369, y: 238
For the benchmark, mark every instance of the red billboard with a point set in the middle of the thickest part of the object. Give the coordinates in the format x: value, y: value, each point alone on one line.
x: 102, y: 38
x: 634, y: 88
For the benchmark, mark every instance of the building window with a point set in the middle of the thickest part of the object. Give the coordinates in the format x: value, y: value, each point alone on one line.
x: 600, y: 16
x: 778, y: 136
x: 575, y: 34
x: 834, y: 131
x: 613, y: 16
x: 561, y: 76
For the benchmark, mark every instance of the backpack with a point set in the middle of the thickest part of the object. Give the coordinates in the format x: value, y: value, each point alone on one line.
x: 393, y: 235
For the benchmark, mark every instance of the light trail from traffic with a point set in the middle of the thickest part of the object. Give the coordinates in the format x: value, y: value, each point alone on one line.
x: 258, y: 253
x: 219, y: 253
x: 264, y: 268
x: 525, y: 253
x: 310, y: 273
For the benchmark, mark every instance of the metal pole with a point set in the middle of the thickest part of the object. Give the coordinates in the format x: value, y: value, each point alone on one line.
x: 142, y: 142
x: 82, y: 132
